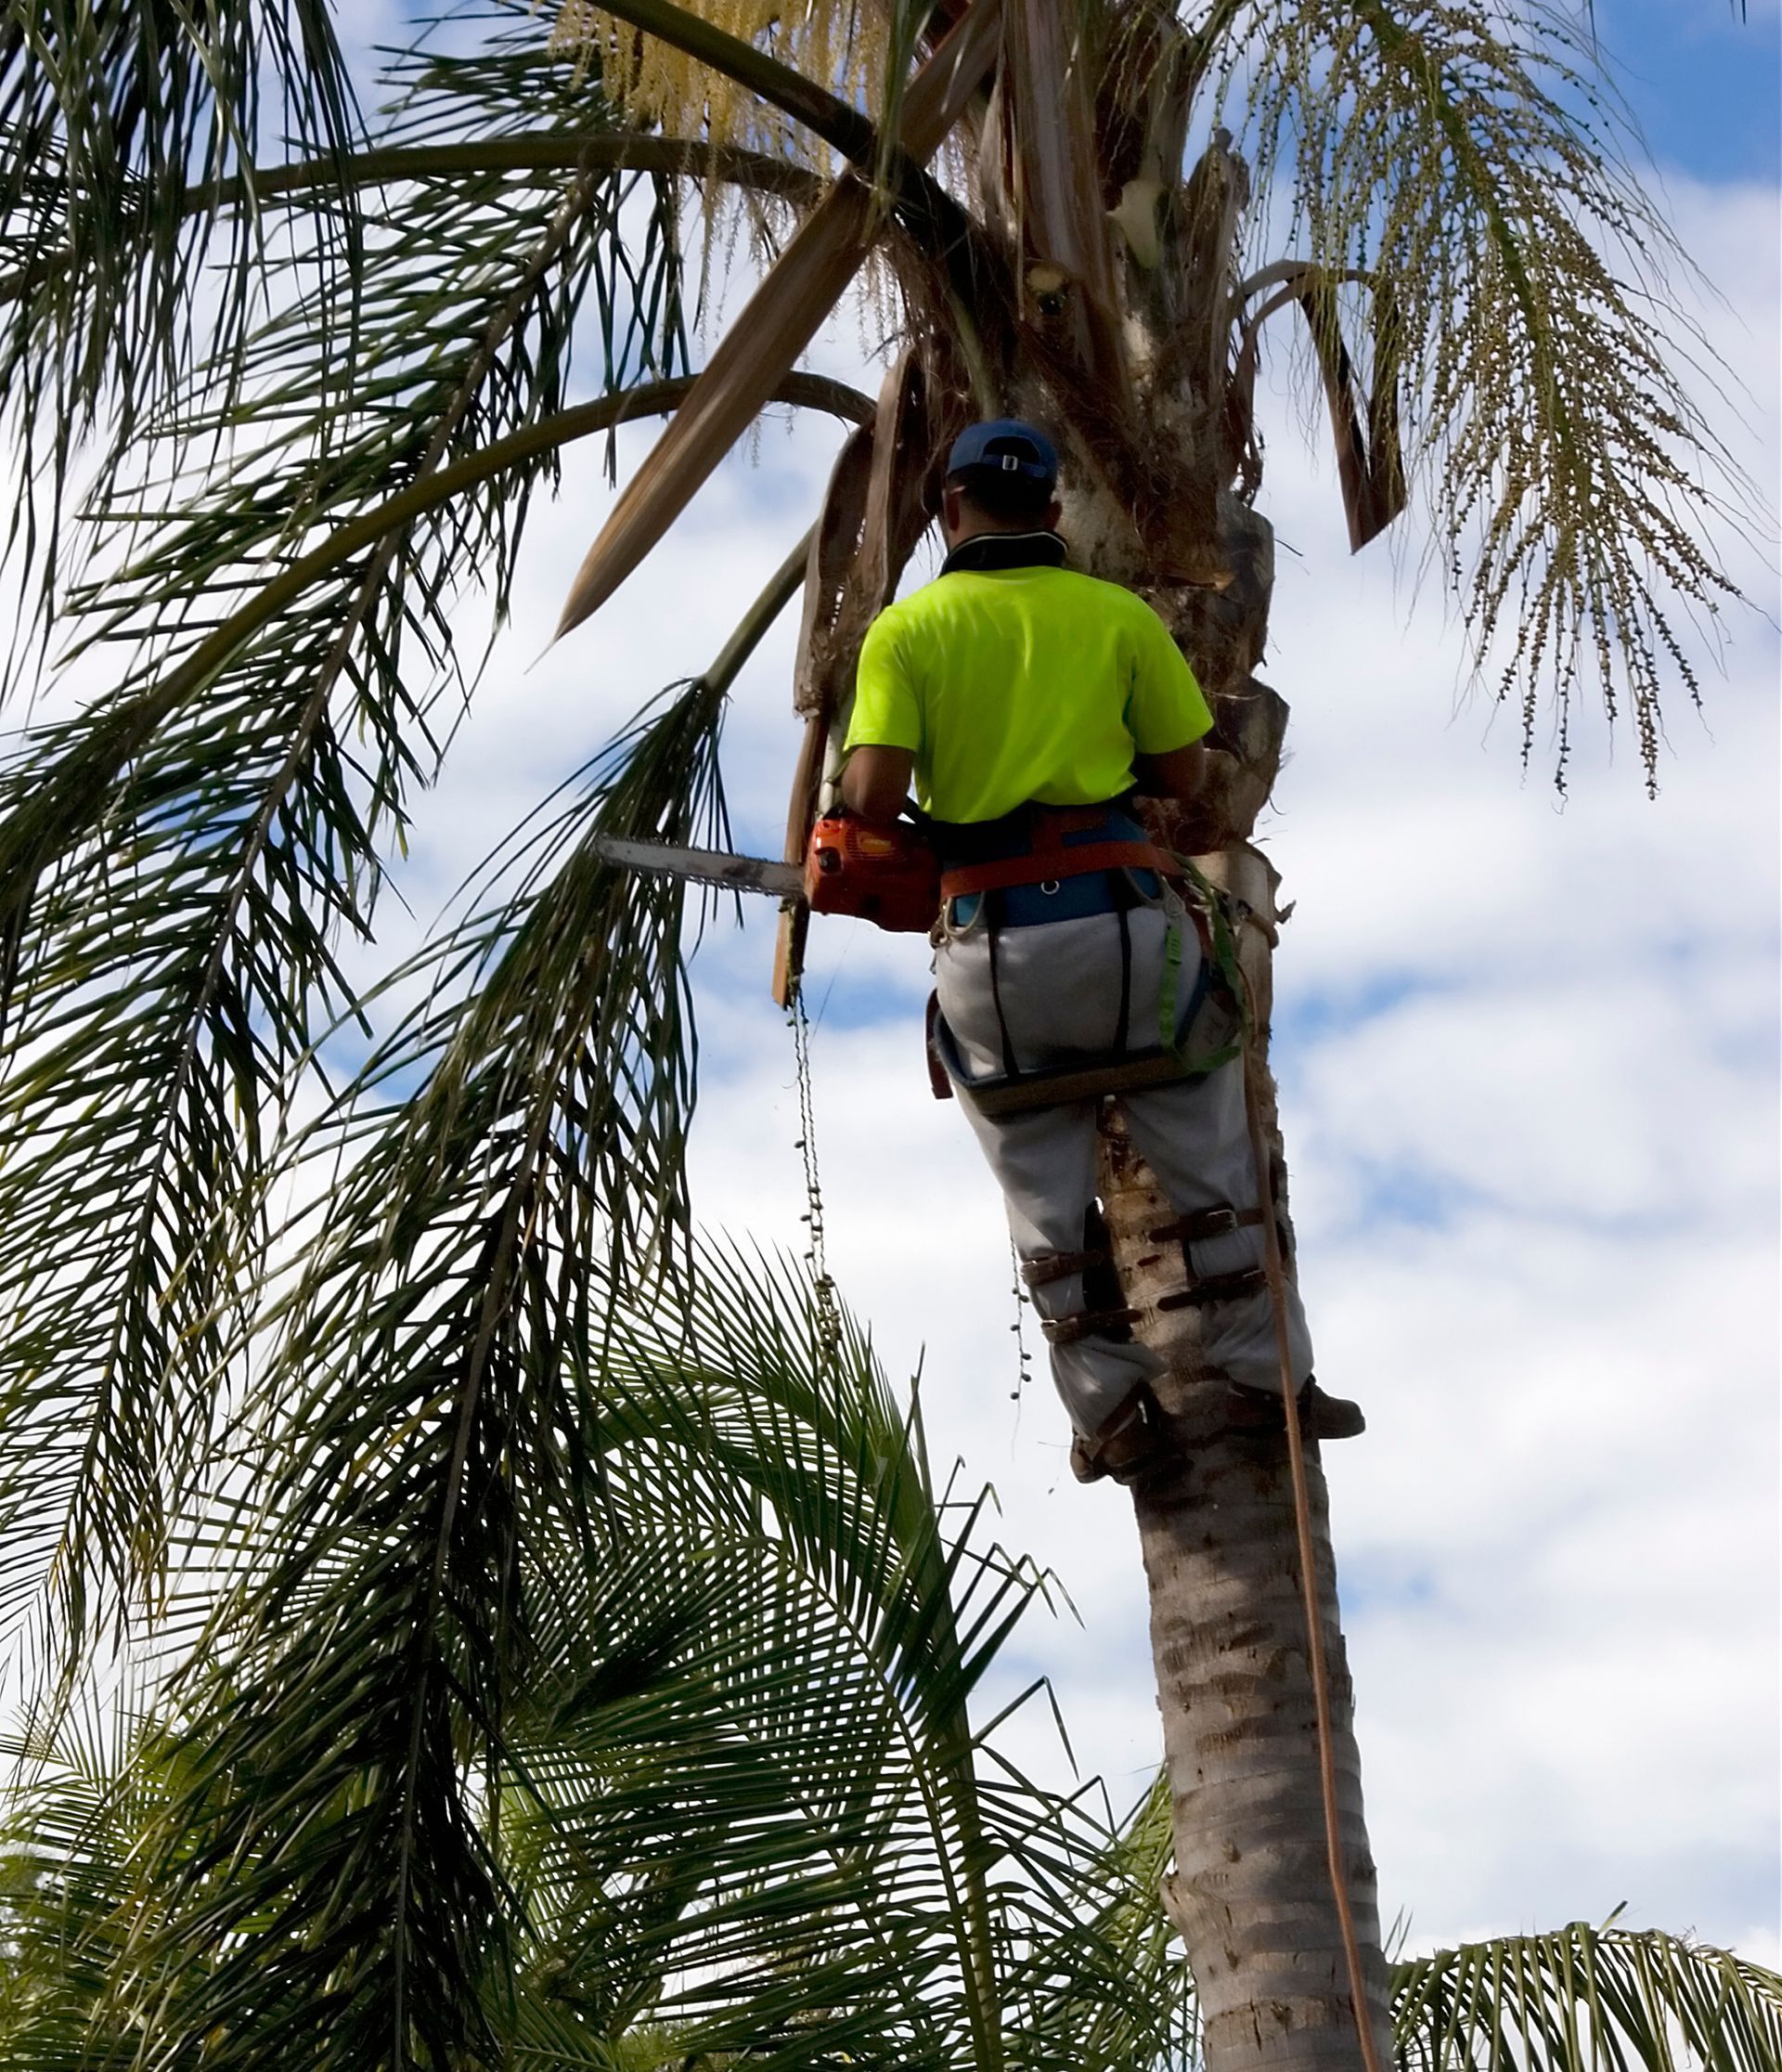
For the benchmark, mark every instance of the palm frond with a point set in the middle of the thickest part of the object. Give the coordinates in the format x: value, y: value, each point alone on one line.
x: 697, y: 1765
x: 1470, y: 162
x: 1587, y: 1999
x: 178, y: 859
x: 780, y: 320
x: 114, y: 294
x: 676, y: 67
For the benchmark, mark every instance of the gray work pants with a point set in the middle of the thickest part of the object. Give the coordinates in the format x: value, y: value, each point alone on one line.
x: 1059, y: 988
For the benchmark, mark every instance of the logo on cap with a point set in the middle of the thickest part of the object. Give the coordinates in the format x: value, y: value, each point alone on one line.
x: 1004, y: 446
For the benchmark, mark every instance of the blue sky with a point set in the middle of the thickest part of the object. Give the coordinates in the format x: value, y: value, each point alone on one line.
x: 1705, y: 81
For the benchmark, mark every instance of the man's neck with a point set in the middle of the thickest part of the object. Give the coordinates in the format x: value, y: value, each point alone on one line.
x: 995, y: 547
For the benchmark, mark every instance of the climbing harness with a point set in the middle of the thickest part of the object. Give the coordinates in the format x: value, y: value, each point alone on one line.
x: 1189, y: 1045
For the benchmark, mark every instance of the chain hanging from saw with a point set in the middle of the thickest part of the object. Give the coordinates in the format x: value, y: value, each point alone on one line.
x: 826, y: 1309
x: 1023, y: 1355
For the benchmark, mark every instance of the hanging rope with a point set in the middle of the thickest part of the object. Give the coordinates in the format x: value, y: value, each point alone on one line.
x: 1275, y: 1268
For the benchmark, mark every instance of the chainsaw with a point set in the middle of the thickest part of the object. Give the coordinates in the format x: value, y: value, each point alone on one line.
x: 887, y: 875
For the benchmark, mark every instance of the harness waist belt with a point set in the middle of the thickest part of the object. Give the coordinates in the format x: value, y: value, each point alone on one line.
x: 1043, y: 866
x: 1054, y: 1085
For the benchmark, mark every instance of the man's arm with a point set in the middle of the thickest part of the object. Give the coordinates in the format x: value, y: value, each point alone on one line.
x: 876, y: 781
x: 1174, y: 774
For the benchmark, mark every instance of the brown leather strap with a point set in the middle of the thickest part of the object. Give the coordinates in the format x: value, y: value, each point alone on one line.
x: 1068, y: 1330
x: 1042, y: 866
x: 939, y: 1085
x: 1217, y: 1287
x: 1199, y: 1224
x: 1053, y: 1086
x: 1045, y: 1267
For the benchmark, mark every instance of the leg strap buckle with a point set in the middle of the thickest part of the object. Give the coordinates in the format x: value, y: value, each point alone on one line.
x: 1217, y: 1287
x: 1070, y: 1331
x: 1045, y: 1267
x: 1199, y: 1224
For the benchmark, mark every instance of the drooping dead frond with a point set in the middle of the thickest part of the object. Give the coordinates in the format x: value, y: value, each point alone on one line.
x: 780, y: 320
x: 1364, y: 430
x: 1063, y: 231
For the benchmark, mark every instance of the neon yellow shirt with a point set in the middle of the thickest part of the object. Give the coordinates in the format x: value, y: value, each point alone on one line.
x: 1013, y: 684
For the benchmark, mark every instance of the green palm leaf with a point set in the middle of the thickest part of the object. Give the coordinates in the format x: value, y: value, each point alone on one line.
x: 673, y: 1743
x: 179, y: 859
x: 1587, y: 1999
x: 113, y: 291
x: 1470, y: 165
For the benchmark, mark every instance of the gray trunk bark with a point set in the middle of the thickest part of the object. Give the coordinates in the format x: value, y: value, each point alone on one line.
x: 1251, y: 1892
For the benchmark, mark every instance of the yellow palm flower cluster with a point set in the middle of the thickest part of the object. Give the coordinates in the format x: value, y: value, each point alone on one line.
x: 841, y: 47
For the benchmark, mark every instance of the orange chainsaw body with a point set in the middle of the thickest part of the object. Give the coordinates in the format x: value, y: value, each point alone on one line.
x: 887, y: 875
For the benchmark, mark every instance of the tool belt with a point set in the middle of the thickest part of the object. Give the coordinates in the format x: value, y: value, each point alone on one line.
x: 1046, y: 863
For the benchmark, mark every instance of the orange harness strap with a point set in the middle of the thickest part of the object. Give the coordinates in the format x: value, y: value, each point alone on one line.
x: 1043, y: 866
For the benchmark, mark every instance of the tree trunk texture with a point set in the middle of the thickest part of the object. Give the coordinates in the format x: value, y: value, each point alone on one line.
x: 1251, y: 1892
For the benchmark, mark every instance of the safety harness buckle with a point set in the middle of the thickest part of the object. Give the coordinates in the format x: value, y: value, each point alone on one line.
x: 1199, y: 1224
x: 1070, y: 1331
x: 1045, y: 1267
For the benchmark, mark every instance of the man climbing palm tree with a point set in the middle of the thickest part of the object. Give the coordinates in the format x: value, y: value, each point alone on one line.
x: 1028, y: 701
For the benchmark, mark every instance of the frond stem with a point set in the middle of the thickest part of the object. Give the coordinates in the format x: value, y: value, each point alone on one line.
x: 547, y: 151
x: 928, y: 210
x: 781, y: 587
x: 133, y: 727
x: 1296, y: 274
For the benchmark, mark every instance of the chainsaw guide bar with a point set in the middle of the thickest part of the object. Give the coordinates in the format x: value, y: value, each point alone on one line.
x: 733, y: 873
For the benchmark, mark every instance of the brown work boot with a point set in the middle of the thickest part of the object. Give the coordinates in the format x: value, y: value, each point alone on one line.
x: 1257, y: 1411
x: 1133, y: 1445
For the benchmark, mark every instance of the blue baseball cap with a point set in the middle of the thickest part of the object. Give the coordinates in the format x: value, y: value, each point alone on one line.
x: 1005, y: 446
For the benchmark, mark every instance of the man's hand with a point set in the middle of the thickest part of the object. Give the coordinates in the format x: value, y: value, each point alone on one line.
x: 1174, y: 774
x: 876, y: 782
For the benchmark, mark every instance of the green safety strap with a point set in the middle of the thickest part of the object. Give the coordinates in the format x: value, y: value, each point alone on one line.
x: 1170, y: 993
x: 1224, y: 944
x: 1225, y: 960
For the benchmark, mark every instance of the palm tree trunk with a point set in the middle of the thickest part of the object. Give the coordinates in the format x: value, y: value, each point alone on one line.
x: 1251, y: 1892
x: 1131, y: 347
